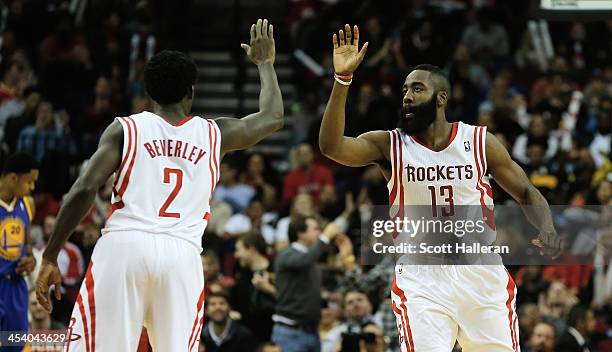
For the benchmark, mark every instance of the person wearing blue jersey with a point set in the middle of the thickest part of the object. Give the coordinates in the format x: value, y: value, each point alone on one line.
x: 19, y: 175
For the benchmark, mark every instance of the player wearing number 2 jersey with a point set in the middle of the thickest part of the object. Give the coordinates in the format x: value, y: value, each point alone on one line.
x: 146, y: 268
x: 430, y: 161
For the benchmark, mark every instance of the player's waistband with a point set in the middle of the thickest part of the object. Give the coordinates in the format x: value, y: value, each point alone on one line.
x: 107, y: 233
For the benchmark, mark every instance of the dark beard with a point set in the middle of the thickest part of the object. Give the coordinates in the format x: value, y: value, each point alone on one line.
x: 424, y: 116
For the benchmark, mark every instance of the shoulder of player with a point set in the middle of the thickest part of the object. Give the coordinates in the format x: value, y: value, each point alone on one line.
x: 29, y: 201
x: 114, y: 132
x: 496, y: 152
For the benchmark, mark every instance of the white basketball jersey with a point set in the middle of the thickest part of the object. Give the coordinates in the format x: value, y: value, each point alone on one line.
x: 166, y: 177
x: 454, y: 176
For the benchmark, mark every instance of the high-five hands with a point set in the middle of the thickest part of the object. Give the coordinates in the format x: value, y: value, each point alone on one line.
x: 347, y: 55
x: 261, y: 48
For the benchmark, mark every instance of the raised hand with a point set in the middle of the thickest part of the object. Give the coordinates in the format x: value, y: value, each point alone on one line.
x: 261, y: 49
x: 347, y: 55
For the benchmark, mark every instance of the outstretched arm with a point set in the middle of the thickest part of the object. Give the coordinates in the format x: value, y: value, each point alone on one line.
x: 368, y: 147
x: 75, y: 206
x: 511, y: 177
x: 242, y: 133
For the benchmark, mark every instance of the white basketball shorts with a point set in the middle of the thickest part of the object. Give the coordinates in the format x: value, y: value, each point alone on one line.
x: 135, y: 280
x: 436, y: 305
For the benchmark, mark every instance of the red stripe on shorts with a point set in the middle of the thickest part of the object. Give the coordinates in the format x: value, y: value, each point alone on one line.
x: 84, y: 319
x: 89, y: 283
x: 195, y: 322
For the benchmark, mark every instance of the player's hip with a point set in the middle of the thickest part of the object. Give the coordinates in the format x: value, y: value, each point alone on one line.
x: 454, y: 283
x: 137, y: 251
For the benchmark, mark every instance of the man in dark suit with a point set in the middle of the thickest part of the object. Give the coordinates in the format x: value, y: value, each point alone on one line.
x: 581, y: 325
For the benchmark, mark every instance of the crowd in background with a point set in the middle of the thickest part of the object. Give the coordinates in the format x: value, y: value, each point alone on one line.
x: 65, y: 79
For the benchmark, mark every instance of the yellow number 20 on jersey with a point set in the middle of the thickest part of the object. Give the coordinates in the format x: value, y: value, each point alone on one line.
x: 12, y: 238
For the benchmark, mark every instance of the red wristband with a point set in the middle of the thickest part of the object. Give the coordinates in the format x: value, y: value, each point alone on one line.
x: 346, y: 78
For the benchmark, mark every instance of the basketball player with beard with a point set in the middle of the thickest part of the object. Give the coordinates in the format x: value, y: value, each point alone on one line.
x: 427, y: 161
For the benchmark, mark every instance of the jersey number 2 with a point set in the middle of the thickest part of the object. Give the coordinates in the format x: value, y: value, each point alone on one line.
x: 173, y: 194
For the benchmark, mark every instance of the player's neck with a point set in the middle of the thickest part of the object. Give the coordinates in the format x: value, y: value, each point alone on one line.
x: 437, y: 135
x: 171, y: 113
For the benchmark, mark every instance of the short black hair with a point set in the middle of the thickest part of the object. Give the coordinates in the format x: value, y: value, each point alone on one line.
x: 218, y: 294
x: 297, y: 225
x: 19, y: 163
x: 168, y: 76
x: 576, y: 314
x: 438, y: 75
x: 254, y: 240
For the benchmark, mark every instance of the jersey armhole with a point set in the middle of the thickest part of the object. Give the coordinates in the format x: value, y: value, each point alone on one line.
x: 28, y: 207
x: 216, y: 147
x: 484, y: 151
x: 392, y: 157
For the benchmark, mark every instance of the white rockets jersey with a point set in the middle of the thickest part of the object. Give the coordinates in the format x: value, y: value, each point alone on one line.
x: 167, y: 176
x: 442, y: 182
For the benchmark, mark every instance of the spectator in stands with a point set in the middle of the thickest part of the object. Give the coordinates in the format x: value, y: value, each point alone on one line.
x: 538, y: 134
x: 260, y: 175
x: 542, y: 339
x: 581, y: 325
x: 254, y: 295
x: 330, y: 320
x: 18, y: 113
x: 381, y: 44
x: 298, y: 285
x: 307, y: 177
x: 372, y: 339
x: 98, y: 115
x: 222, y: 334
x: 230, y: 190
x: 214, y: 280
x: 357, y: 312
x: 252, y: 221
x: 42, y: 137
x: 417, y: 44
x: 529, y: 316
x: 462, y: 68
x: 555, y: 304
x: 486, y: 40
x: 302, y: 205
x: 576, y: 49
x: 12, y: 80
x: 40, y: 319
